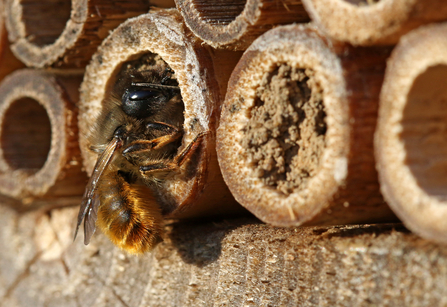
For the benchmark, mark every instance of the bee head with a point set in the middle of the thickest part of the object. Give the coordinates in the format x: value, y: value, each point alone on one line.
x: 141, y: 102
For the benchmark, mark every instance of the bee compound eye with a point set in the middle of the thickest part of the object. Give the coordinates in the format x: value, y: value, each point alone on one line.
x: 143, y: 95
x: 141, y: 103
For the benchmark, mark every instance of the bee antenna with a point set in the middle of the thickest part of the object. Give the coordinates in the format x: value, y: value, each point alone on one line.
x: 155, y: 86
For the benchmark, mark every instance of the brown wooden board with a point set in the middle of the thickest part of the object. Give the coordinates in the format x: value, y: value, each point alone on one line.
x: 219, y: 263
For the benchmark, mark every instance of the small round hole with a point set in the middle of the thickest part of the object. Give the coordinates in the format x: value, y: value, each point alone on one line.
x: 425, y: 131
x: 26, y: 135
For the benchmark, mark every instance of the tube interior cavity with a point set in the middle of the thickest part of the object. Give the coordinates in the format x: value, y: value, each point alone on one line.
x: 285, y: 135
x: 45, y: 20
x: 219, y: 13
x: 26, y: 135
x: 424, y: 131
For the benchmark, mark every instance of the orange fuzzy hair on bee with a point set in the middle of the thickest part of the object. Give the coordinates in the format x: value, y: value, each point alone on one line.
x: 128, y: 214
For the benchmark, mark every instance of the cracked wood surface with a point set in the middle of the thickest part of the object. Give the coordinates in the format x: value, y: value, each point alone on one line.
x: 226, y: 263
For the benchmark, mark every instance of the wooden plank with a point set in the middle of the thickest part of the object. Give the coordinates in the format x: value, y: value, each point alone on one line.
x: 227, y: 263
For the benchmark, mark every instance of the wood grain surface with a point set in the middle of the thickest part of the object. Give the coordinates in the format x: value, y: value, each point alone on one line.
x: 219, y: 263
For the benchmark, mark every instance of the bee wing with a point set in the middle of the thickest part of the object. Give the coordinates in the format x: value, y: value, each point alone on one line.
x: 90, y: 200
x: 90, y: 219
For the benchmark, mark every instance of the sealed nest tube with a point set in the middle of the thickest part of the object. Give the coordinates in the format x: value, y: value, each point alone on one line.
x: 295, y: 140
x: 177, y: 140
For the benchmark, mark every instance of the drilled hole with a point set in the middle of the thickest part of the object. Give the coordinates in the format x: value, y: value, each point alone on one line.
x: 26, y: 135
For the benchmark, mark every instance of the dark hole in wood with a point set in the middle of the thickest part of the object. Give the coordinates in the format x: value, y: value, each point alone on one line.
x: 45, y: 20
x: 424, y: 131
x: 26, y: 135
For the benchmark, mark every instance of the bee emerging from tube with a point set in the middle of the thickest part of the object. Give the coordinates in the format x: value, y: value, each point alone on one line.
x: 138, y: 136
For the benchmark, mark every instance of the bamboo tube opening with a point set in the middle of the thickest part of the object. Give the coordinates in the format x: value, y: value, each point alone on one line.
x: 424, y: 131
x: 44, y: 20
x: 270, y: 121
x: 235, y: 24
x: 162, y: 38
x: 220, y: 14
x: 64, y: 33
x: 8, y: 62
x: 40, y: 160
x: 373, y: 22
x: 285, y: 133
x: 296, y: 131
x: 26, y: 135
x: 410, y: 140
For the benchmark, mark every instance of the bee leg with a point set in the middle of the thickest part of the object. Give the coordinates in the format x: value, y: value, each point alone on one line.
x: 154, y: 144
x: 178, y: 161
x: 189, y: 150
x: 172, y: 134
x: 163, y: 127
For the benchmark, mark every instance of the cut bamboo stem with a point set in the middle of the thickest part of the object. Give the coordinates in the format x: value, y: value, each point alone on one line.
x: 235, y: 24
x: 162, y: 35
x: 295, y: 141
x: 373, y: 22
x: 411, y: 146
x: 66, y: 33
x: 39, y: 151
x: 8, y: 62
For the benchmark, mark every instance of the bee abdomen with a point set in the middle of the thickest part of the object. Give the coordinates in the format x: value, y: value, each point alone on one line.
x: 128, y: 214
